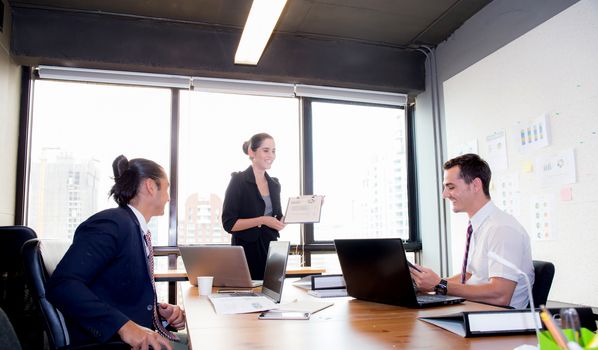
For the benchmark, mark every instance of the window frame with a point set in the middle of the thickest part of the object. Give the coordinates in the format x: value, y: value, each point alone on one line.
x: 413, y: 244
x: 308, y: 243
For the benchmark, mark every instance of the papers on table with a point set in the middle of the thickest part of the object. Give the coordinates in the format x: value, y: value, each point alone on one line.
x: 229, y: 304
x: 304, y: 305
x: 303, y: 209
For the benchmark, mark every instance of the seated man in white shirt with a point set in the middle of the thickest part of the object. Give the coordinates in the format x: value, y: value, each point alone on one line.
x: 466, y: 185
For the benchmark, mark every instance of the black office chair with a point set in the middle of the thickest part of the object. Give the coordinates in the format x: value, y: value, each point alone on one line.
x: 38, y: 273
x: 15, y: 296
x: 8, y: 337
x: 544, y: 272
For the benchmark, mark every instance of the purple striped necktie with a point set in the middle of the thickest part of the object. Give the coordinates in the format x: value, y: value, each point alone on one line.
x: 464, y: 268
x: 157, y: 323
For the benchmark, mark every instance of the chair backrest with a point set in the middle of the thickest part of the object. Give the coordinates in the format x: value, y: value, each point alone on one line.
x: 38, y: 275
x: 8, y: 337
x: 15, y: 298
x: 544, y: 273
x: 12, y: 282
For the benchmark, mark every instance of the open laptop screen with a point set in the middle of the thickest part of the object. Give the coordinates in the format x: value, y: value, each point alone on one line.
x: 276, y: 266
x: 226, y: 263
x: 376, y: 270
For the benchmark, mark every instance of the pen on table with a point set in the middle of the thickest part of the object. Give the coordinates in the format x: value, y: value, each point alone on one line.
x: 554, y: 330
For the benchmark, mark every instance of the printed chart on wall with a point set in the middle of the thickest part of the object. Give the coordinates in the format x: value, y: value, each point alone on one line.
x: 542, y: 218
x: 556, y: 170
x: 497, y: 151
x: 470, y: 146
x: 506, y: 193
x: 534, y: 135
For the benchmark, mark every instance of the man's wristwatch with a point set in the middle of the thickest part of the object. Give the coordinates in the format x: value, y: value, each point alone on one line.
x: 441, y: 287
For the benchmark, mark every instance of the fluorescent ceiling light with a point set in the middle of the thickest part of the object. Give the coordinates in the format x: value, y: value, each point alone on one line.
x: 262, y: 18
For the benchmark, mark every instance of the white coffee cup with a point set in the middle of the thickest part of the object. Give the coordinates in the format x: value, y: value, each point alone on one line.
x: 204, y: 283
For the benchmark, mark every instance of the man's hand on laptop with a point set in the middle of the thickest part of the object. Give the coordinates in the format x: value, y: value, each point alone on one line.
x: 425, y: 279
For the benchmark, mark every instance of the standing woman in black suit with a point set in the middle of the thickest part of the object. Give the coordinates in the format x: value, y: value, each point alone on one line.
x: 251, y: 211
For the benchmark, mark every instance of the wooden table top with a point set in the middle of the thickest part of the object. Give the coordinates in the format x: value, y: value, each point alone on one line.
x: 348, y: 324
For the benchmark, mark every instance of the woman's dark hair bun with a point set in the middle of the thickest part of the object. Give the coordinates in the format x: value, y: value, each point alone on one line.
x: 255, y: 142
x: 120, y: 165
x: 246, y: 147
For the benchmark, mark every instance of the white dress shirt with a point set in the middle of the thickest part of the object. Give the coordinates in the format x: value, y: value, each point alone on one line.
x: 499, y: 232
x: 143, y: 226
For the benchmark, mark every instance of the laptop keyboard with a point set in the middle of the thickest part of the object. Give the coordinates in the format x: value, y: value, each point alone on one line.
x: 244, y: 294
x: 430, y: 297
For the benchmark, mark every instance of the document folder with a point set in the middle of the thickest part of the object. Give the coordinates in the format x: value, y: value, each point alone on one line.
x: 327, y: 282
x: 480, y: 323
x: 328, y: 293
x: 498, y: 322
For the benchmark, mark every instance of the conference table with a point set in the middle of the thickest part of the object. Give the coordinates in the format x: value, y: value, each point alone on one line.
x: 347, y: 324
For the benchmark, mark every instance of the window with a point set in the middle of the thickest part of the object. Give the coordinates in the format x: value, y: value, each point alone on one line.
x: 353, y: 153
x: 213, y: 127
x: 77, y: 131
x: 358, y: 157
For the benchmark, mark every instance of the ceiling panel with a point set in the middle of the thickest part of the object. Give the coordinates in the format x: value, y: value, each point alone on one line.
x: 391, y: 22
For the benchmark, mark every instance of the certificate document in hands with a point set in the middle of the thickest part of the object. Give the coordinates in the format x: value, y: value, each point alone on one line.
x: 303, y: 209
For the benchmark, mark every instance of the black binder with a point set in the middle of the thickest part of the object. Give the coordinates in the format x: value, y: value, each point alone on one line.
x: 327, y: 282
x: 499, y: 322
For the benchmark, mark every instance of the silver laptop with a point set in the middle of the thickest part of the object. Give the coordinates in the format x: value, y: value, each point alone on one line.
x: 226, y: 263
x: 274, y: 274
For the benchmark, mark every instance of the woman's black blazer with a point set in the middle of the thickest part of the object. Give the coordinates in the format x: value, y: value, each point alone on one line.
x: 244, y: 201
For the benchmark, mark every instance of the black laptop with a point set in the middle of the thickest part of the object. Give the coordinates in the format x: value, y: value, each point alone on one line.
x: 377, y: 270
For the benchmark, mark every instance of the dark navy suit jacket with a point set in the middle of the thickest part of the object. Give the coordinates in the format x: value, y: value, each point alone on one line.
x: 103, y: 280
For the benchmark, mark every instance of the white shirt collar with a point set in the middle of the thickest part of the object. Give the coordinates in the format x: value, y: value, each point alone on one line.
x: 478, y: 218
x: 140, y: 218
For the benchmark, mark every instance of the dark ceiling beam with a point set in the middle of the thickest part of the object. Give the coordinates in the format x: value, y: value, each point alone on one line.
x: 91, y: 40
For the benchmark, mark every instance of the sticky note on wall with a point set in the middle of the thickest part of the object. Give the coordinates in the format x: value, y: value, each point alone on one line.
x: 528, y: 166
x: 566, y: 194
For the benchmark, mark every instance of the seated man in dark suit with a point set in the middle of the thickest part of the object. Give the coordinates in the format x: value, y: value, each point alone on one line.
x: 104, y: 284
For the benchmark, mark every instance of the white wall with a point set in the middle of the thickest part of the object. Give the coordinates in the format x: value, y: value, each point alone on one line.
x: 497, y: 24
x: 10, y: 74
x: 552, y: 70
